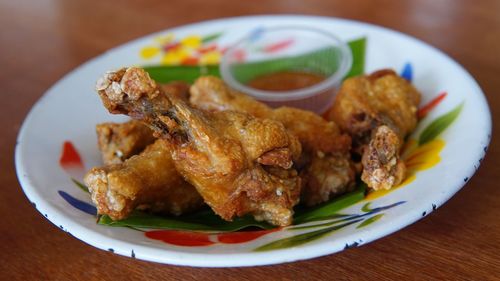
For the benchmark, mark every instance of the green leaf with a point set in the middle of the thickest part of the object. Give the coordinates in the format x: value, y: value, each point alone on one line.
x: 207, y: 220
x: 303, y: 238
x: 211, y: 37
x: 370, y: 220
x: 366, y: 207
x: 204, y: 220
x: 358, y: 49
x: 330, y: 208
x: 346, y: 218
x: 439, y: 125
x: 186, y: 73
x: 80, y: 185
x: 245, y: 72
x: 324, y: 61
x: 141, y: 220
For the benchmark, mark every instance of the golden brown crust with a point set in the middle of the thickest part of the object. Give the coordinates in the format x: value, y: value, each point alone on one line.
x: 216, y: 152
x: 382, y: 167
x: 146, y: 181
x: 120, y: 141
x: 378, y: 111
x: 313, y: 132
x: 382, y: 98
x: 329, y: 176
x: 178, y: 89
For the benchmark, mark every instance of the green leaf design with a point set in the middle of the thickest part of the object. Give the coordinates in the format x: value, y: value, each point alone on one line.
x: 366, y: 207
x: 439, y: 125
x: 346, y: 218
x: 80, y: 185
x: 207, y: 220
x: 141, y: 220
x: 303, y: 238
x: 329, y: 209
x: 204, y: 220
x: 324, y: 61
x: 358, y: 49
x: 186, y: 73
x: 211, y: 37
x: 167, y: 73
x: 370, y: 220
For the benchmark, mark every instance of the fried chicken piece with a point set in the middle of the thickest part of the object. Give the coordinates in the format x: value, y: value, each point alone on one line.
x: 239, y: 164
x: 120, y: 141
x: 381, y: 98
x: 178, y: 89
x: 325, y: 164
x: 165, y: 192
x: 148, y: 181
x: 378, y: 111
x: 382, y: 168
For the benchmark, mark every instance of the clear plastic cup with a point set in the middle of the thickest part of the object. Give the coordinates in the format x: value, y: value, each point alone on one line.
x: 273, y: 50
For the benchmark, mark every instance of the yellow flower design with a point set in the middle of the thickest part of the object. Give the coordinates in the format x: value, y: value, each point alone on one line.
x: 423, y: 154
x: 175, y: 57
x: 423, y: 157
x: 149, y: 52
x: 192, y: 42
x: 212, y: 57
x: 165, y: 39
x: 190, y: 50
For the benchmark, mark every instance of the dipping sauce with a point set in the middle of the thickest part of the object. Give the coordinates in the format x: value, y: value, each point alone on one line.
x: 285, y: 81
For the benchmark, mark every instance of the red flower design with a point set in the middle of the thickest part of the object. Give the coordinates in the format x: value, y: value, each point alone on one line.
x: 180, y: 238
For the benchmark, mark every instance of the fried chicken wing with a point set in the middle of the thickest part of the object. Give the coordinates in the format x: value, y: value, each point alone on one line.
x: 325, y: 165
x: 239, y: 164
x: 378, y: 111
x: 148, y: 181
x: 120, y: 141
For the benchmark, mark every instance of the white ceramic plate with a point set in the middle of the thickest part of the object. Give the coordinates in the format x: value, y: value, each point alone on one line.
x: 70, y: 109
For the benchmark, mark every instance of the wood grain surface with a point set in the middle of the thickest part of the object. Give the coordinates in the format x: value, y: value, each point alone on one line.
x: 40, y: 41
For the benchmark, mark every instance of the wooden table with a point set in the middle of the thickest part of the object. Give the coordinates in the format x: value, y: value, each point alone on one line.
x: 40, y: 41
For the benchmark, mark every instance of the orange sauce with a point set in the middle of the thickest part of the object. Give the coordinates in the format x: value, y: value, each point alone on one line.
x: 285, y: 81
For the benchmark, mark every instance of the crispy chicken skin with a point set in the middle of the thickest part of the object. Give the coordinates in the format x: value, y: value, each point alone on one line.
x: 239, y: 164
x: 178, y: 89
x: 326, y: 168
x: 120, y: 141
x: 382, y: 167
x: 148, y: 181
x: 378, y: 111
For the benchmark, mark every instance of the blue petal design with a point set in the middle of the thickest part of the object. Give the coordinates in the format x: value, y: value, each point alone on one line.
x: 256, y: 33
x: 383, y: 208
x: 407, y: 72
x: 357, y: 217
x: 80, y: 205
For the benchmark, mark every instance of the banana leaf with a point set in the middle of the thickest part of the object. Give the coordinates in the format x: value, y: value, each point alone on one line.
x: 244, y: 72
x: 207, y: 220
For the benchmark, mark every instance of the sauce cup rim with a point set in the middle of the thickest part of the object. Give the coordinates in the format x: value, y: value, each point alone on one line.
x: 330, y: 82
